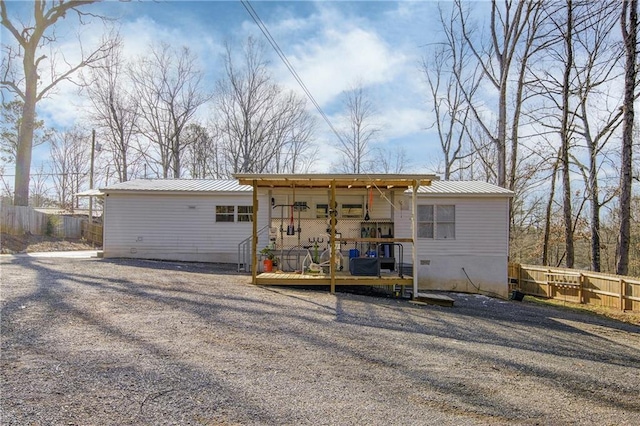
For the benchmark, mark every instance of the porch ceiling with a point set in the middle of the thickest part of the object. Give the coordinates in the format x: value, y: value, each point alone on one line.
x: 388, y: 181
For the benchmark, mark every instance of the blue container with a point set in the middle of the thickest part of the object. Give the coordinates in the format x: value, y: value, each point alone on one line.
x: 372, y: 253
x: 354, y: 253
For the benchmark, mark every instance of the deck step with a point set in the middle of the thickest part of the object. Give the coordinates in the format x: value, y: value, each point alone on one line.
x: 434, y: 299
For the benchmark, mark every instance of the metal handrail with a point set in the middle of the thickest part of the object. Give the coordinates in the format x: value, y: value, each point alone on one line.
x: 244, y: 250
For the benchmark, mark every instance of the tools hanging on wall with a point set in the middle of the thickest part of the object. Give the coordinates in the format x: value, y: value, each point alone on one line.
x: 291, y: 228
x: 368, y: 204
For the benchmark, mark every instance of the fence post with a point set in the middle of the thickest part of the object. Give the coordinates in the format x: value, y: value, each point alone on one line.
x: 581, y: 284
x: 623, y: 293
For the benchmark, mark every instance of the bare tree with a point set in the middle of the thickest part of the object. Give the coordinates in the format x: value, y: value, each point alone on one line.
x: 40, y: 188
x: 511, y: 24
x: 565, y: 133
x: 115, y: 111
x: 596, y: 122
x: 169, y: 87
x: 263, y: 128
x: 27, y: 80
x: 444, y: 70
x: 202, y: 153
x: 70, y: 159
x: 359, y: 131
x: 391, y: 160
x: 629, y: 24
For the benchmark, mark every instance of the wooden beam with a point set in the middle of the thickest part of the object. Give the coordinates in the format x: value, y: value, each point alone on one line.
x: 414, y: 235
x: 254, y: 240
x: 375, y: 240
x: 332, y: 237
x: 361, y: 182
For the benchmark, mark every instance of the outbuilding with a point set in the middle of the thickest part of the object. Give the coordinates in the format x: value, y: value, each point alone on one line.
x: 446, y: 236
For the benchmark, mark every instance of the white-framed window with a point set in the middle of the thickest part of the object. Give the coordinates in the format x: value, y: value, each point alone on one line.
x: 446, y: 222
x: 437, y: 221
x: 425, y: 221
x: 234, y: 213
x: 225, y: 213
x: 245, y: 213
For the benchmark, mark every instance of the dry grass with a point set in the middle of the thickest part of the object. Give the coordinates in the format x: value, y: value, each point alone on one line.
x: 616, y: 314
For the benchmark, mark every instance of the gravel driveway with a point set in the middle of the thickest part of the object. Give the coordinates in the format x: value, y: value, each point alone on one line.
x: 114, y: 342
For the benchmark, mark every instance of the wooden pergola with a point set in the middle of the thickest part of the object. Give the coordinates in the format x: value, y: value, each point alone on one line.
x: 334, y: 183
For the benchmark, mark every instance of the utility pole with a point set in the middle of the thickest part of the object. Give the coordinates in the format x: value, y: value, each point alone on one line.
x: 93, y: 151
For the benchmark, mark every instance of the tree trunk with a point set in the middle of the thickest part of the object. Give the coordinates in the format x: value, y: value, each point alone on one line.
x: 630, y: 36
x: 25, y: 138
x: 565, y: 136
x: 547, y: 220
x: 595, y: 216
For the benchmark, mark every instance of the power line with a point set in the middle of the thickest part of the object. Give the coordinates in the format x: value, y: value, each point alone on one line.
x: 256, y: 18
x: 254, y: 15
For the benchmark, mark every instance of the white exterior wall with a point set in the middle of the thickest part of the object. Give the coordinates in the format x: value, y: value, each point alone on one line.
x: 174, y: 226
x: 480, y: 247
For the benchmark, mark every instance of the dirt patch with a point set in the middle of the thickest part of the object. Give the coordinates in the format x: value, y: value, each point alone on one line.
x: 11, y: 244
x: 102, y: 341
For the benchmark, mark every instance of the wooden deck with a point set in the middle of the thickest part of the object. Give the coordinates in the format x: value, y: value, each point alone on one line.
x: 342, y: 279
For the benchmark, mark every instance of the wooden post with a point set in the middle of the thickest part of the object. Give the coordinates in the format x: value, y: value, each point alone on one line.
x: 623, y: 293
x: 93, y: 152
x: 254, y: 240
x: 581, y: 284
x: 414, y: 236
x: 332, y: 236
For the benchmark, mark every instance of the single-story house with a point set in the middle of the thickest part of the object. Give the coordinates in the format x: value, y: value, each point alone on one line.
x: 447, y: 235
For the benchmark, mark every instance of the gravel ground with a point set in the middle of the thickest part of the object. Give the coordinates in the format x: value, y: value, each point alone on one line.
x: 116, y: 342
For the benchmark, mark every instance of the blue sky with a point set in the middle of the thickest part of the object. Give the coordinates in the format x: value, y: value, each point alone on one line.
x: 332, y: 44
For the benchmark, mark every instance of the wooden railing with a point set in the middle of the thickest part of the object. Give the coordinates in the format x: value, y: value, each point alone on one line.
x: 572, y: 285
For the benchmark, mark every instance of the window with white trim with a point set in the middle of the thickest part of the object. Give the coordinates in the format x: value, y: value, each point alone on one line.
x: 245, y: 213
x: 225, y: 213
x: 437, y: 221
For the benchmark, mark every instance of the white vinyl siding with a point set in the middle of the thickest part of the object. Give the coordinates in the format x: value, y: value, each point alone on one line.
x: 176, y: 226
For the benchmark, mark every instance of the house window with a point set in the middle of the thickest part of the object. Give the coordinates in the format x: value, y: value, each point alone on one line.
x: 322, y: 211
x: 445, y: 222
x: 245, y: 213
x: 437, y: 222
x: 351, y: 211
x: 425, y: 221
x: 225, y: 213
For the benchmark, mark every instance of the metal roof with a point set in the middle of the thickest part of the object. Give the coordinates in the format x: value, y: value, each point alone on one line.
x: 443, y: 188
x: 452, y: 188
x: 178, y: 185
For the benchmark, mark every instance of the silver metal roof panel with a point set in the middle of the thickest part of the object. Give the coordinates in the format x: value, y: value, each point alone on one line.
x: 178, y: 185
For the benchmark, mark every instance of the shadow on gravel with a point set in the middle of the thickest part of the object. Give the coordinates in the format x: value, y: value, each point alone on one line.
x: 296, y: 319
x: 141, y: 387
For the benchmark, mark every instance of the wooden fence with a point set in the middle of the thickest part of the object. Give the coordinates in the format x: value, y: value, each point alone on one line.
x: 19, y: 220
x: 572, y: 285
x: 92, y: 232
